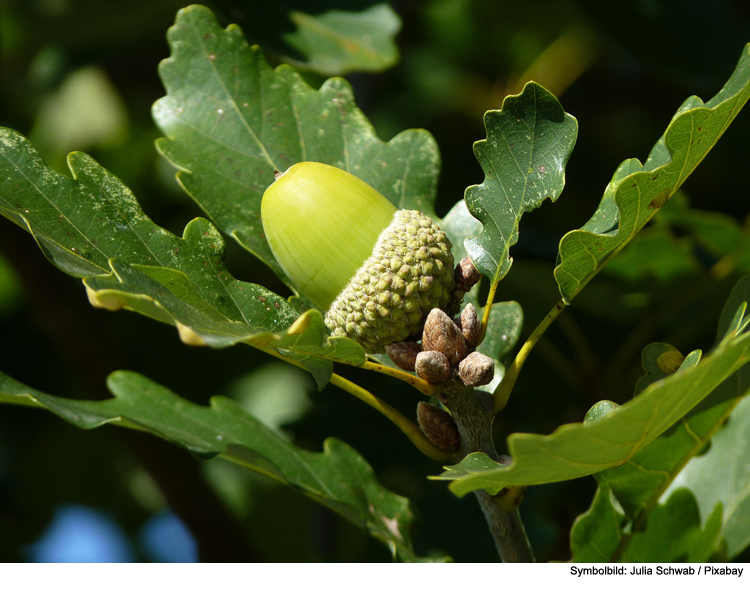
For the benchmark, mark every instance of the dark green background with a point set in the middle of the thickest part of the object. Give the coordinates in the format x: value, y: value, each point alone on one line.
x: 637, y: 62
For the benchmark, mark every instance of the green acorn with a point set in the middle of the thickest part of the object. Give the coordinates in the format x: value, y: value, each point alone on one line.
x: 378, y: 271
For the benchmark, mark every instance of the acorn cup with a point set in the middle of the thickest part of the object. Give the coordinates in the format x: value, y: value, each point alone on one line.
x: 377, y: 271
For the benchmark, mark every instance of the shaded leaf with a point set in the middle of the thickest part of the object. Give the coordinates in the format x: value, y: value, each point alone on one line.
x: 231, y: 120
x: 576, y: 450
x: 716, y: 233
x: 458, y: 225
x: 597, y: 533
x: 637, y: 191
x: 338, y: 41
x: 338, y: 478
x: 674, y: 533
x: 528, y: 145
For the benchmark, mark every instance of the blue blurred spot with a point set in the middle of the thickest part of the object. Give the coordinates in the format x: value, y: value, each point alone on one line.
x: 166, y: 539
x: 81, y: 534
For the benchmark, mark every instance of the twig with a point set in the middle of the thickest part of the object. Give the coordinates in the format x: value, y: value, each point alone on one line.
x: 472, y: 412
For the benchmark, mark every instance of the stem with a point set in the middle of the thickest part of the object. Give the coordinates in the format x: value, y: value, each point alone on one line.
x: 502, y: 393
x: 488, y: 309
x: 472, y: 412
x: 410, y: 429
x: 507, y: 529
x: 423, y: 386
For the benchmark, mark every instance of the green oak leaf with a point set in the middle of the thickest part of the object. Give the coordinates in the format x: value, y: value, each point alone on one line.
x: 580, y: 449
x: 231, y: 120
x: 726, y: 462
x: 338, y: 477
x: 597, y: 533
x: 637, y: 191
x: 642, y: 481
x: 524, y: 156
x: 337, y: 41
x: 672, y: 534
x: 91, y: 226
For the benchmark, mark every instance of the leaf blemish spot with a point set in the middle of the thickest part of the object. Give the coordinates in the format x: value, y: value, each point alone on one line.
x: 212, y: 56
x: 542, y: 170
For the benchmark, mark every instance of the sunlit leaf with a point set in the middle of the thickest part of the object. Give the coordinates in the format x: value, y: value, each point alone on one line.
x: 231, y: 121
x: 576, y: 450
x: 637, y: 191
x: 528, y: 145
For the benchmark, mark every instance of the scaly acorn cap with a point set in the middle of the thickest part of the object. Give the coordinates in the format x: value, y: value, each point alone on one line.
x: 377, y: 270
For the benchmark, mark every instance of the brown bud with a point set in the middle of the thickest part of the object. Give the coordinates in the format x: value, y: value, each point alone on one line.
x: 466, y: 274
x: 438, y: 426
x: 433, y: 367
x: 404, y: 354
x: 441, y: 334
x: 471, y: 328
x: 476, y: 370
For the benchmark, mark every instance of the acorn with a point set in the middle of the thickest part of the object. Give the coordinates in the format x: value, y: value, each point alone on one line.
x: 377, y: 271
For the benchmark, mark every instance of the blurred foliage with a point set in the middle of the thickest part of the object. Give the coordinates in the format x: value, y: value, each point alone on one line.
x: 622, y: 68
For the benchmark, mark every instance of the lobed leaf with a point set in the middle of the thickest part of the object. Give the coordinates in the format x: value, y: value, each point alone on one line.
x: 338, y: 477
x: 597, y: 533
x: 673, y: 533
x: 91, y: 226
x: 231, y: 121
x: 637, y: 191
x: 528, y: 145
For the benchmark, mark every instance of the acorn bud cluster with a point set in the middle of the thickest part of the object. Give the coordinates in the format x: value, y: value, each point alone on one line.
x: 409, y: 273
x: 447, y: 346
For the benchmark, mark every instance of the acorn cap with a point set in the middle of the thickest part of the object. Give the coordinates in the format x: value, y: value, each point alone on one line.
x: 409, y: 273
